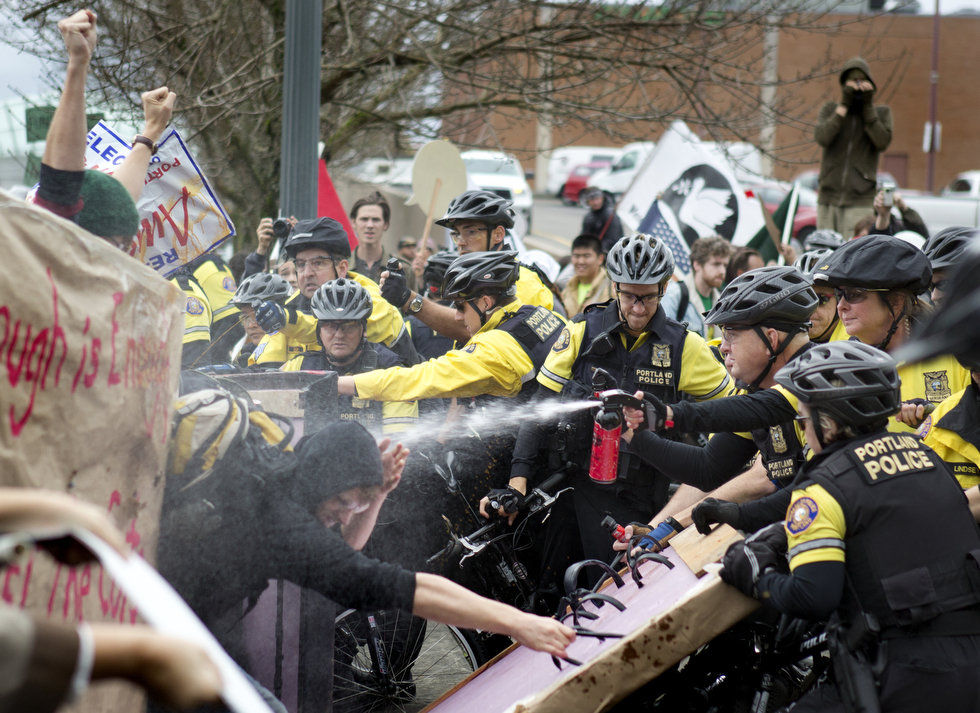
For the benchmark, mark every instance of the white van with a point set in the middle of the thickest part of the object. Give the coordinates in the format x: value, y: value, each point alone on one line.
x: 502, y: 174
x: 616, y: 179
x: 565, y: 159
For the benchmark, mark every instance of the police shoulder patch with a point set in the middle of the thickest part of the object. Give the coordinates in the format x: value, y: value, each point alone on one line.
x: 925, y: 427
x: 228, y: 283
x: 564, y: 339
x: 193, y: 306
x: 469, y: 348
x: 801, y: 514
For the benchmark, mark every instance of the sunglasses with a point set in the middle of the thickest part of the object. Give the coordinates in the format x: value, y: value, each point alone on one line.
x: 855, y: 295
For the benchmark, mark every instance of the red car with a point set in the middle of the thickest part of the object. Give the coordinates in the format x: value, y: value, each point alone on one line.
x: 578, y: 179
x: 772, y: 195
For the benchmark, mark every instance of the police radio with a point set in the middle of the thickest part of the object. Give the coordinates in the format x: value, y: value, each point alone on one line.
x: 606, y: 432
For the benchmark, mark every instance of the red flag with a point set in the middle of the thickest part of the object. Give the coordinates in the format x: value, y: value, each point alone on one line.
x: 328, y: 203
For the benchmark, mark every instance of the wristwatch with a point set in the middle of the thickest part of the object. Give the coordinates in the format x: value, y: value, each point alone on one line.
x: 140, y: 139
x: 415, y: 305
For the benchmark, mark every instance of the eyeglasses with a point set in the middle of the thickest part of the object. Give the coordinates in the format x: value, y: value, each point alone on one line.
x: 466, y: 234
x: 938, y: 285
x: 348, y: 328
x: 459, y: 305
x: 824, y: 299
x: 645, y: 300
x: 801, y: 418
x: 855, y: 295
x: 316, y: 264
x: 728, y: 333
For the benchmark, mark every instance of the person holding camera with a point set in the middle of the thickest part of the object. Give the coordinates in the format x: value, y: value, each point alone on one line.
x: 885, y: 221
x: 852, y: 132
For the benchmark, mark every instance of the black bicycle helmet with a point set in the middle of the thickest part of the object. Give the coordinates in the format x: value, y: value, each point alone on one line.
x: 808, y: 261
x: 485, y: 206
x: 482, y: 273
x: 952, y: 328
x: 823, y: 240
x: 778, y: 296
x: 260, y: 287
x: 324, y: 233
x: 341, y: 299
x: 434, y: 272
x: 640, y: 259
x: 852, y: 382
x: 877, y: 262
x: 945, y: 248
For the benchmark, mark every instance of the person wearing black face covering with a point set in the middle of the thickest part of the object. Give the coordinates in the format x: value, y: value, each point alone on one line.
x: 852, y: 132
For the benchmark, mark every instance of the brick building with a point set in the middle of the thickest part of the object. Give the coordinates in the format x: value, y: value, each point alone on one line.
x: 898, y: 48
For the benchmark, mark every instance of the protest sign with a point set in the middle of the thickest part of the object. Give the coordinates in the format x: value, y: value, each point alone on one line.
x: 90, y: 350
x: 696, y: 188
x: 180, y: 215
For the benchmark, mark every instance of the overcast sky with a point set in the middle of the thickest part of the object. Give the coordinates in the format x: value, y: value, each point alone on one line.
x: 23, y: 73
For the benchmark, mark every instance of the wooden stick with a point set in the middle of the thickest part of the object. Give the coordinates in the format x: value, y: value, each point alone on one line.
x: 432, y: 206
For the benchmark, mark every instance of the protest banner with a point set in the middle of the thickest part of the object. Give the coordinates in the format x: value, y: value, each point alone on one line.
x: 696, y: 188
x: 90, y: 349
x: 180, y: 215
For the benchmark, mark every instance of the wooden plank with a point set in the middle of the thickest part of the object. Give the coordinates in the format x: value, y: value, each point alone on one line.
x: 697, y: 550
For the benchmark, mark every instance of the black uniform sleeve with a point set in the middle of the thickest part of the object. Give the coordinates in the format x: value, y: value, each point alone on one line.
x: 705, y: 468
x: 744, y: 412
x: 532, y: 440
x: 756, y: 514
x: 812, y: 591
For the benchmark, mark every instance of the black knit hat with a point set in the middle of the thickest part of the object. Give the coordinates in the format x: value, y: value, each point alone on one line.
x: 340, y: 457
x: 108, y: 211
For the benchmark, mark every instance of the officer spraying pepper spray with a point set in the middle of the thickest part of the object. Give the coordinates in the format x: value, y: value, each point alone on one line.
x: 606, y: 434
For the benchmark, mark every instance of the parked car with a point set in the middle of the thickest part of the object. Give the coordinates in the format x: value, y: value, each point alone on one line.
x: 578, y: 179
x: 809, y: 179
x: 772, y: 194
x: 502, y: 174
x: 567, y: 158
x: 957, y: 204
x: 618, y: 177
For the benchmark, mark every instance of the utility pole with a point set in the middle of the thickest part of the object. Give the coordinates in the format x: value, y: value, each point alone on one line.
x: 300, y: 109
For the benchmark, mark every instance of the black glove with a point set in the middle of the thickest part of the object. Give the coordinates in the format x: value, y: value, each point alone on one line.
x: 847, y: 95
x: 270, y: 316
x: 510, y: 499
x: 711, y: 511
x: 745, y: 562
x: 395, y: 289
x: 656, y: 413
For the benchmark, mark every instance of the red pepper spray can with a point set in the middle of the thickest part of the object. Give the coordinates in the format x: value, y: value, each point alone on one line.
x: 605, y: 445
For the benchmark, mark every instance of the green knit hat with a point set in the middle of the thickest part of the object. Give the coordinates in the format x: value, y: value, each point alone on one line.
x: 109, y: 210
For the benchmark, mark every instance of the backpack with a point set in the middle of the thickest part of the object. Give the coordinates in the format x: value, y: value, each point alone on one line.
x: 222, y: 449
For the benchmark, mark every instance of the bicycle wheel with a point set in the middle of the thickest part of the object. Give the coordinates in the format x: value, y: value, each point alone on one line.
x: 424, y: 660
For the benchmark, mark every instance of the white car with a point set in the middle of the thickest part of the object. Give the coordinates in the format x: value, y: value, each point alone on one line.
x: 502, y: 174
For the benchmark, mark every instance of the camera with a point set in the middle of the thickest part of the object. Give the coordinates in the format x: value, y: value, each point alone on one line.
x: 888, y: 189
x: 281, y: 228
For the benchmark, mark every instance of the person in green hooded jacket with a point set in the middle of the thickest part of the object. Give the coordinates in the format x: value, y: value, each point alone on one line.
x: 853, y: 133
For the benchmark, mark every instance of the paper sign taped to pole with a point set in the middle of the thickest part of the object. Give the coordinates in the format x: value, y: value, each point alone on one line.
x: 180, y: 215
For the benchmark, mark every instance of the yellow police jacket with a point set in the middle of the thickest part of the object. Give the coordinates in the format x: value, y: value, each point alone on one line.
x: 838, y: 334
x: 934, y: 380
x: 492, y: 362
x: 701, y: 376
x: 532, y: 291
x: 219, y: 285
x: 960, y: 455
x: 385, y: 325
x: 396, y: 416
x: 197, y: 311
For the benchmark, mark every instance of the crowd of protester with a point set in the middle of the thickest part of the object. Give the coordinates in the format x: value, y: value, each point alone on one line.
x: 788, y: 395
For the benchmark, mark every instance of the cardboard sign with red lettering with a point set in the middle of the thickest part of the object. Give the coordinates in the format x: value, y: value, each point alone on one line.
x: 180, y: 215
x: 90, y: 351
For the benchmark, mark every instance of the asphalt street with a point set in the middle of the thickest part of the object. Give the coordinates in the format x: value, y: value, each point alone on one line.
x: 554, y: 226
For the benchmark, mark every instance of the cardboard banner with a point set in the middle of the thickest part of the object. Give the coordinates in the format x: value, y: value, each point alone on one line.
x: 180, y: 215
x: 90, y: 351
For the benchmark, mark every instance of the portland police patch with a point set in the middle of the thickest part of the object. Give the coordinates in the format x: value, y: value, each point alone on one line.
x: 564, y: 339
x: 229, y: 284
x: 194, y: 306
x: 801, y: 515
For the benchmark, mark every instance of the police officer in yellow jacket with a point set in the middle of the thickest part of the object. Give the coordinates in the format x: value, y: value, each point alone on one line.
x: 953, y: 429
x: 321, y: 252
x: 478, y: 222
x: 878, y: 280
x: 214, y: 277
x: 825, y: 323
x: 508, y: 340
x: 880, y: 537
x: 196, y: 349
x: 342, y: 308
x: 632, y: 339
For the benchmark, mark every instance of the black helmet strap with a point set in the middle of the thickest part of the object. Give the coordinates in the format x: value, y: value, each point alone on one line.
x: 830, y: 328
x: 895, y: 322
x: 773, y: 353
